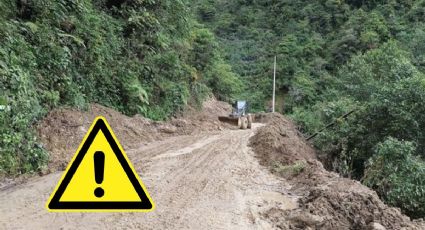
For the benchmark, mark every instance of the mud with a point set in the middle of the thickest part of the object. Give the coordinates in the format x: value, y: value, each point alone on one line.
x: 326, y: 201
x: 208, y: 180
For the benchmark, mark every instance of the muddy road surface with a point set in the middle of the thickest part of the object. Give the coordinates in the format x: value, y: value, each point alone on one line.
x: 206, y: 181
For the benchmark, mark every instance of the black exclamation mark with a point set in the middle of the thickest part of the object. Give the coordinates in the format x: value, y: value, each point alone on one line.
x: 99, y: 165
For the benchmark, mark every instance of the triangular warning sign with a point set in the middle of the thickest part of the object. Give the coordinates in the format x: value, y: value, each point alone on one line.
x: 100, y: 177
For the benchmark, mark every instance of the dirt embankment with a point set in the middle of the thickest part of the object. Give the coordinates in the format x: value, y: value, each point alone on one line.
x: 62, y: 130
x: 326, y: 201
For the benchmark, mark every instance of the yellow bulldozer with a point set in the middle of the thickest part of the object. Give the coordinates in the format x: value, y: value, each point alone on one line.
x: 239, y: 116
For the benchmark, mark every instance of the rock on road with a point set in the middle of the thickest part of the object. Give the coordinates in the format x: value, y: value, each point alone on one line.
x: 205, y: 181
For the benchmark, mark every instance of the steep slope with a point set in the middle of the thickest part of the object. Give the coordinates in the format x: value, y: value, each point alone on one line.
x: 138, y: 57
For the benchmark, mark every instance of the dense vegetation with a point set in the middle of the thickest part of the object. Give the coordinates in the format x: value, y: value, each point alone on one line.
x: 337, y: 56
x: 138, y: 56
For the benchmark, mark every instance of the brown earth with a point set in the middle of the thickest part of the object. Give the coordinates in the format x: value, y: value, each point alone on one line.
x: 205, y: 180
x: 280, y: 137
x: 62, y: 130
x: 326, y: 201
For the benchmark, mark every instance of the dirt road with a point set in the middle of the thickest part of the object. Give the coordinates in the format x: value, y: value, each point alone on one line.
x: 205, y: 181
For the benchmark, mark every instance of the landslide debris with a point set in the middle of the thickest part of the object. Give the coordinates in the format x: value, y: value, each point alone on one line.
x: 279, y: 141
x: 326, y: 201
x: 62, y: 130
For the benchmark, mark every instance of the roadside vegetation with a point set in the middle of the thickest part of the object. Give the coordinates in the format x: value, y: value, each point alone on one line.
x: 335, y: 57
x: 137, y: 56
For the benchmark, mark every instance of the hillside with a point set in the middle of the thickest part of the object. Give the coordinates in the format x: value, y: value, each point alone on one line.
x: 140, y: 57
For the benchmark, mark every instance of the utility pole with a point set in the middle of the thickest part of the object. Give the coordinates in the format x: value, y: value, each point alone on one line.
x: 274, y: 85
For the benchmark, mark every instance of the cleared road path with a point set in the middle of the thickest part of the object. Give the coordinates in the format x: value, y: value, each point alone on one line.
x: 206, y: 181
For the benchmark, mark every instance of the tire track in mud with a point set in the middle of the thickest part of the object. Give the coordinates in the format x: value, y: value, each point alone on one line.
x: 204, y: 181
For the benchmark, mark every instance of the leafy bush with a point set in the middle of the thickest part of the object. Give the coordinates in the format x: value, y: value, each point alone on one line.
x: 19, y: 151
x: 398, y: 176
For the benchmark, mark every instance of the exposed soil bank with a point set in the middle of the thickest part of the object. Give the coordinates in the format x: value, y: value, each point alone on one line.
x: 62, y: 130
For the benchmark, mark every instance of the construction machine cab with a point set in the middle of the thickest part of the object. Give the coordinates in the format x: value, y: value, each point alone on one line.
x: 239, y: 116
x: 240, y: 109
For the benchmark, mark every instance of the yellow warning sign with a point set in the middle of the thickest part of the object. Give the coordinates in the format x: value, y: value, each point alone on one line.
x: 100, y: 177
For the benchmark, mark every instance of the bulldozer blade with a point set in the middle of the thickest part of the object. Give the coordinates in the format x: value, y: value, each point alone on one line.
x: 230, y: 120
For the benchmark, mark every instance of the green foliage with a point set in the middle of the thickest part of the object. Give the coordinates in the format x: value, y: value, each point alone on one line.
x: 210, y: 67
x: 387, y: 91
x: 398, y: 176
x: 147, y: 57
x: 225, y: 84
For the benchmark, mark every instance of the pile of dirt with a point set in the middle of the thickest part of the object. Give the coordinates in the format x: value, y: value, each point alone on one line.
x: 279, y: 141
x: 326, y: 201
x: 62, y: 130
